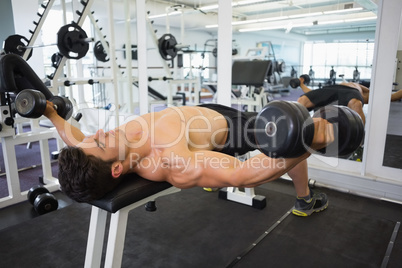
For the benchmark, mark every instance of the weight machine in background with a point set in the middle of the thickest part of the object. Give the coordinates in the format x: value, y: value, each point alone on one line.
x: 11, y: 130
x: 251, y: 74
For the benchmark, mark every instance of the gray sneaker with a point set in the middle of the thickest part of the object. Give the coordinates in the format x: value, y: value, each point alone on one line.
x: 318, y: 202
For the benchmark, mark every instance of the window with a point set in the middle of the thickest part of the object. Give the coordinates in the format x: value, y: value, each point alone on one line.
x: 344, y: 57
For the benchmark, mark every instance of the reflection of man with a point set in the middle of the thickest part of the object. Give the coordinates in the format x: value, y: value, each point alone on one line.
x: 352, y: 95
x: 349, y: 94
x: 185, y: 146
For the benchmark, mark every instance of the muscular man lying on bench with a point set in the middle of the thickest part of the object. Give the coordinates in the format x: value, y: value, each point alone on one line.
x: 185, y: 146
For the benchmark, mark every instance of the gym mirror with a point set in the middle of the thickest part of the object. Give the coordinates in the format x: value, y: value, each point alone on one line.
x: 393, y: 143
x: 332, y: 41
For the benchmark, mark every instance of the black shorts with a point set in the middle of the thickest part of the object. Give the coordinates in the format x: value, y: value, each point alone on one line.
x: 241, y: 137
x: 333, y: 95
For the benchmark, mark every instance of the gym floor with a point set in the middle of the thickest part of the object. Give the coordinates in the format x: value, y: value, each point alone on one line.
x: 195, y: 228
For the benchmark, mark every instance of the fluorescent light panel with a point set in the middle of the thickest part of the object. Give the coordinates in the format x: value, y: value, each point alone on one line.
x: 342, y: 10
x: 304, y: 24
x: 236, y: 4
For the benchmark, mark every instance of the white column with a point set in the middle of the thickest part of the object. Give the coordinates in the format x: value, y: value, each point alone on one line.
x: 389, y: 21
x: 113, y: 66
x: 224, y: 52
x: 129, y: 70
x: 142, y: 56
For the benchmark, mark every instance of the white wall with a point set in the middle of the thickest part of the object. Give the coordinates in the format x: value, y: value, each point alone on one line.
x: 24, y: 14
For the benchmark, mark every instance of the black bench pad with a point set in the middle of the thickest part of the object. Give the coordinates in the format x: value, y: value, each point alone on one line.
x: 133, y: 188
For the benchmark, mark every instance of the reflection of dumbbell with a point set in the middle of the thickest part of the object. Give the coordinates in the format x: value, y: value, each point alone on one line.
x: 295, y: 82
x: 42, y: 200
x: 32, y: 104
x: 285, y: 129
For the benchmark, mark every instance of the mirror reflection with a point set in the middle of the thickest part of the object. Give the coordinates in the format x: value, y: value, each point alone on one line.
x: 393, y: 142
x: 331, y: 46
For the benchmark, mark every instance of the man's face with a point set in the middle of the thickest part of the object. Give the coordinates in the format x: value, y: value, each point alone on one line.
x: 104, y: 145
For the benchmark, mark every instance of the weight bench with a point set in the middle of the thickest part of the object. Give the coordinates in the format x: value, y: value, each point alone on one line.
x: 131, y: 193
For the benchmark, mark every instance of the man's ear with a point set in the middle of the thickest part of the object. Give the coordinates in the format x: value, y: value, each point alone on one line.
x: 117, y: 169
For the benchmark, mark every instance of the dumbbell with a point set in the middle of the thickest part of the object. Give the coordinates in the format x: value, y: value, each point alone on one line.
x: 42, y: 200
x: 285, y: 129
x: 295, y: 82
x: 32, y: 104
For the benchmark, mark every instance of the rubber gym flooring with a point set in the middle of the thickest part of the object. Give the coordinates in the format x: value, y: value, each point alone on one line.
x: 194, y: 228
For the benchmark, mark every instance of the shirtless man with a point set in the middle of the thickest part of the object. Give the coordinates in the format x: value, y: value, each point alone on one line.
x: 185, y: 146
x: 352, y: 95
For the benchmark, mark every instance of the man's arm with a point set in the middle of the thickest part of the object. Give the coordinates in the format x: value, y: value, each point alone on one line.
x: 68, y: 133
x: 303, y: 86
x: 213, y: 169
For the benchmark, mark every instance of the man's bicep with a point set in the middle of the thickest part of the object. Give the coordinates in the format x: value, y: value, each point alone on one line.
x: 214, y: 169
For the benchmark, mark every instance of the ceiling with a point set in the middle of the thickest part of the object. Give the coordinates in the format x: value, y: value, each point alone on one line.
x: 305, y: 17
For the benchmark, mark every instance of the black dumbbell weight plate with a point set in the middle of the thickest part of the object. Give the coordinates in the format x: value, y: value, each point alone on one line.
x: 30, y: 103
x: 71, y: 41
x: 307, y: 129
x: 294, y: 82
x: 45, y: 203
x: 348, y: 130
x: 280, y: 129
x: 13, y: 45
x: 167, y: 47
x: 63, y: 106
x: 35, y: 192
x: 306, y: 79
x: 100, y: 53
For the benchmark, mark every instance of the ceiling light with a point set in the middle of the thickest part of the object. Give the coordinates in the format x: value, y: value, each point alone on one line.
x: 273, y: 19
x: 275, y: 27
x: 239, y: 3
x: 242, y: 22
x: 342, y: 10
x: 247, y: 2
x: 164, y: 15
x: 330, y: 22
x: 361, y: 19
x: 306, y: 15
x: 209, y: 7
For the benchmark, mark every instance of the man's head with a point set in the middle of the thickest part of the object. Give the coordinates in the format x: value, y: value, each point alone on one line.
x: 85, y: 177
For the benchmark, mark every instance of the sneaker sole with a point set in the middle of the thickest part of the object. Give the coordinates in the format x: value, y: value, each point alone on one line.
x: 306, y: 213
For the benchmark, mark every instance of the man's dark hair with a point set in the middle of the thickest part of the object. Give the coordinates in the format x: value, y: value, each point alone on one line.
x: 84, y: 177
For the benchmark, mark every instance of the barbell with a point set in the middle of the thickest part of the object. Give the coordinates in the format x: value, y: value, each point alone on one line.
x: 31, y: 103
x: 167, y: 46
x: 72, y: 42
x: 285, y: 129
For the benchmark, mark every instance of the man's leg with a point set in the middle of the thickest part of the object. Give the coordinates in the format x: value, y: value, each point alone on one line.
x: 357, y: 106
x: 307, y: 202
x: 299, y: 176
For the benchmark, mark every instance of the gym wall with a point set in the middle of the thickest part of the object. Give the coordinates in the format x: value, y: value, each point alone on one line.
x: 6, y: 19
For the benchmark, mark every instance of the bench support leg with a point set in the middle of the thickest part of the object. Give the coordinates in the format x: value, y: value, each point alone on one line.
x: 96, y: 236
x: 117, y: 235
